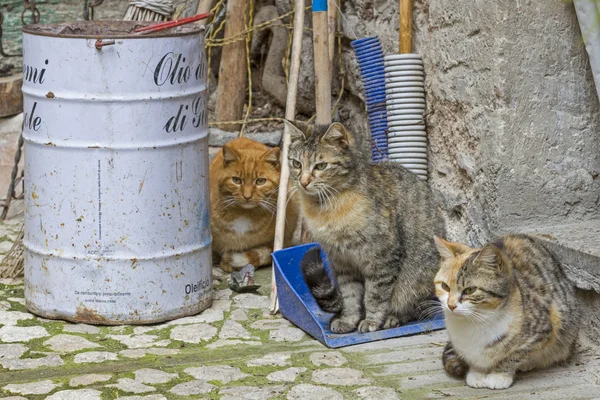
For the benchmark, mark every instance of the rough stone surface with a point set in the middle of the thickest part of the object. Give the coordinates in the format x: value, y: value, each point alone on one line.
x: 376, y: 393
x: 234, y: 330
x: 52, y: 360
x: 194, y: 333
x: 239, y: 315
x: 250, y: 300
x: 85, y: 380
x: 94, y: 357
x: 267, y: 324
x: 81, y: 394
x: 340, y: 376
x: 232, y: 342
x: 12, y: 317
x: 287, y: 375
x: 274, y: 360
x: 224, y: 374
x: 313, y: 392
x: 138, y: 341
x: 153, y: 376
x: 41, y: 387
x: 329, y: 358
x: 209, y: 315
x: 250, y: 392
x: 192, y: 388
x: 81, y: 328
x: 69, y: 343
x: 148, y: 397
x: 132, y: 386
x: 9, y: 334
x: 290, y: 334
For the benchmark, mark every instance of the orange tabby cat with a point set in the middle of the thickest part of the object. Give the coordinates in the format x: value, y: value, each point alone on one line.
x: 244, y: 182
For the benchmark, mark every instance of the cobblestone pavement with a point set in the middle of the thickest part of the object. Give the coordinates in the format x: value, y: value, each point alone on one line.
x: 235, y: 350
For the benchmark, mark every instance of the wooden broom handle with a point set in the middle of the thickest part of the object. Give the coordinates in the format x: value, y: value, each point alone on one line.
x: 406, y: 26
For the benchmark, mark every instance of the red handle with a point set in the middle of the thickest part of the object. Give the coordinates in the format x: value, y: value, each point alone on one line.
x: 170, y: 24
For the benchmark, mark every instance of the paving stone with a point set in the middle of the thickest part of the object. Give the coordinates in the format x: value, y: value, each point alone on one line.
x: 138, y: 341
x: 139, y: 353
x: 81, y: 394
x: 14, y: 398
x: 69, y: 343
x: 340, y: 376
x: 5, y: 305
x: 290, y: 334
x: 287, y: 375
x: 376, y: 393
x: 5, y: 246
x: 19, y: 300
x: 329, y: 358
x: 11, y: 351
x: 239, y: 315
x: 193, y: 333
x: 81, y: 328
x: 41, y: 387
x: 234, y: 330
x: 206, y: 316
x: 52, y: 360
x: 11, y: 281
x: 250, y: 300
x: 232, y: 342
x: 148, y: 397
x: 192, y: 388
x: 223, y: 294
x: 94, y: 357
x: 268, y: 324
x: 223, y: 305
x: 218, y: 272
x: 10, y: 334
x: 305, y: 391
x: 140, y: 330
x: 153, y: 376
x: 222, y: 373
x: 250, y: 392
x: 274, y: 360
x: 88, y: 379
x: 132, y: 386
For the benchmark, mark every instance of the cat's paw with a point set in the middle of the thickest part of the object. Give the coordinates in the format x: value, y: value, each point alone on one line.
x: 476, y: 379
x: 232, y: 261
x: 391, y: 322
x: 339, y: 325
x: 498, y: 381
x: 368, y: 325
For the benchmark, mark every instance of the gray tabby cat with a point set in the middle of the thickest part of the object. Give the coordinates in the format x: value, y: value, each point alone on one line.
x: 509, y: 307
x: 375, y: 223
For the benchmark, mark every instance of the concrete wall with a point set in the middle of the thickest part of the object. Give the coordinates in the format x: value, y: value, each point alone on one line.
x: 513, y: 117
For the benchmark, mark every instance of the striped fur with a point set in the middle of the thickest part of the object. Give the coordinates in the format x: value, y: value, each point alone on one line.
x: 257, y: 256
x: 321, y: 287
x: 453, y: 363
x: 508, y: 307
x: 374, y: 221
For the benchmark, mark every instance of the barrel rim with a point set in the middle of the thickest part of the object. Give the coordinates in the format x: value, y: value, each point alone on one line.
x: 72, y: 28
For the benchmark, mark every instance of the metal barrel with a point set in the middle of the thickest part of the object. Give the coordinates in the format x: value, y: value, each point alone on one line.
x: 117, y: 223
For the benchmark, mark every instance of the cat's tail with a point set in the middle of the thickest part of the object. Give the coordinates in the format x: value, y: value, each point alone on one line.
x: 327, y: 295
x: 453, y: 363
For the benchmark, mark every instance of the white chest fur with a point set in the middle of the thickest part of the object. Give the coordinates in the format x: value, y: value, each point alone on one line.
x: 471, y: 337
x: 241, y: 225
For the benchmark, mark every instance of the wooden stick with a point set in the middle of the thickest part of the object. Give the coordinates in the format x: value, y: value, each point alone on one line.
x: 204, y: 6
x: 331, y: 24
x: 322, y: 72
x: 406, y: 26
x: 290, y: 114
x: 231, y: 89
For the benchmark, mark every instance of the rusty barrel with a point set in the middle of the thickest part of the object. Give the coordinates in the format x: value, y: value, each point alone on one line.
x: 116, y: 173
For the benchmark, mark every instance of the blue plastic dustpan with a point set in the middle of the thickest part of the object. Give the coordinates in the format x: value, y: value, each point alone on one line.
x: 297, y: 304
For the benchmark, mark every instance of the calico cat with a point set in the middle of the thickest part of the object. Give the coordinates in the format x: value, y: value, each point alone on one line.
x: 244, y: 182
x: 374, y: 221
x: 508, y: 307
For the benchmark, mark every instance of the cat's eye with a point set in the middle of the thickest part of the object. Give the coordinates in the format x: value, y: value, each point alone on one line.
x: 237, y: 180
x: 445, y: 287
x: 261, y: 181
x: 296, y: 164
x: 321, y: 166
x: 469, y: 290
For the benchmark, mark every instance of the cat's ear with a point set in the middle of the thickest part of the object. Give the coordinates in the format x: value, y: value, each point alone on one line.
x: 295, y: 133
x: 337, y: 134
x: 448, y: 249
x: 272, y: 156
x: 229, y: 154
x: 491, y: 256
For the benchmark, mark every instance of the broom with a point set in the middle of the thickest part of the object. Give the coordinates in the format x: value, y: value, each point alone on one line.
x: 150, y: 10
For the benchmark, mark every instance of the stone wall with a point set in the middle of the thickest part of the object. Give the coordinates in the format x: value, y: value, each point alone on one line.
x: 513, y: 117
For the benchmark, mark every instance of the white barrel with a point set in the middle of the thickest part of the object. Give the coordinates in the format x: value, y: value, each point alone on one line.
x: 116, y: 173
